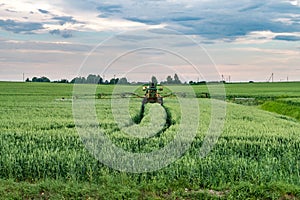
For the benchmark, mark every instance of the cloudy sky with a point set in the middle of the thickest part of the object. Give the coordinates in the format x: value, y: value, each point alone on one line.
x: 246, y: 39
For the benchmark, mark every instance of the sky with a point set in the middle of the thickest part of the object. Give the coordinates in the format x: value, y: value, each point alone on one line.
x: 199, y: 40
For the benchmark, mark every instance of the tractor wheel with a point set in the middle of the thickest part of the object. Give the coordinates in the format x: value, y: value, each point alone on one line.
x: 160, y: 100
x: 145, y: 100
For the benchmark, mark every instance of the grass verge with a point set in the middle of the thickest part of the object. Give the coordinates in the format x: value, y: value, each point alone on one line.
x: 53, y: 189
x: 283, y: 108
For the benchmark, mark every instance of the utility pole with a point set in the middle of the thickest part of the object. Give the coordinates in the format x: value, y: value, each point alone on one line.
x: 271, y: 78
x: 23, y: 77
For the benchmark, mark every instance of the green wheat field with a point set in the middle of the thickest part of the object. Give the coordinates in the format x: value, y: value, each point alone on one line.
x: 257, y: 155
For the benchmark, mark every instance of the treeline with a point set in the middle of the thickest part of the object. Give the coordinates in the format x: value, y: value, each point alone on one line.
x: 97, y: 79
x: 171, y: 80
x: 41, y: 79
x: 90, y: 79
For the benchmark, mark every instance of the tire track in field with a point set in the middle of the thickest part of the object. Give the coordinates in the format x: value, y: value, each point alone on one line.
x: 169, y: 121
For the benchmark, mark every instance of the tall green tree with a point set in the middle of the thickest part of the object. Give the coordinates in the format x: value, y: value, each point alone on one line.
x: 169, y: 80
x: 176, y: 79
x: 123, y: 81
x: 92, y: 79
x: 42, y: 79
x: 114, y: 81
x: 154, y: 80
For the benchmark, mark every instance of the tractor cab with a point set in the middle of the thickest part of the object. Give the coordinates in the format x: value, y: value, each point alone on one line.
x: 152, y: 95
x: 151, y: 91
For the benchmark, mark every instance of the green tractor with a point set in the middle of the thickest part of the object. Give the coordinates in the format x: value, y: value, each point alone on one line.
x: 152, y: 95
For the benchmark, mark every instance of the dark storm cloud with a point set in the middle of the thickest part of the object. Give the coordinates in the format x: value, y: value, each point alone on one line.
x: 20, y: 27
x: 144, y: 21
x: 63, y: 33
x: 65, y: 19
x: 11, y: 11
x: 231, y: 26
x: 108, y: 10
x: 42, y: 46
x: 251, y: 7
x: 186, y: 18
x: 210, y: 19
x: 133, y: 37
x: 43, y: 11
x: 287, y: 38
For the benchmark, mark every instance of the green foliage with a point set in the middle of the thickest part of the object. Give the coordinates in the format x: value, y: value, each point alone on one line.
x: 41, y: 79
x: 90, y: 79
x: 287, y: 108
x: 56, y: 189
x: 154, y: 80
x: 170, y: 80
x: 123, y: 81
x: 277, y: 190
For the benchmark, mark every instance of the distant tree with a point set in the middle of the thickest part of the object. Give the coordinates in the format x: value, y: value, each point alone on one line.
x: 27, y: 80
x: 83, y: 80
x: 45, y: 79
x: 176, y: 79
x: 92, y: 79
x: 63, y: 81
x: 42, y: 79
x: 197, y: 83
x: 123, y: 81
x: 154, y: 80
x: 169, y: 80
x: 78, y: 80
x: 114, y: 81
x: 73, y: 80
x: 100, y: 79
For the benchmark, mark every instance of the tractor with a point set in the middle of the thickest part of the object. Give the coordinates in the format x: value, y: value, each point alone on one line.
x: 152, y: 95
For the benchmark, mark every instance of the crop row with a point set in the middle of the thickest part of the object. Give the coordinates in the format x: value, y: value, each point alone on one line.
x: 255, y: 146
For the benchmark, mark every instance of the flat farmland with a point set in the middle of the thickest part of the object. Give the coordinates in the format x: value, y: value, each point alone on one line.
x: 256, y: 156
